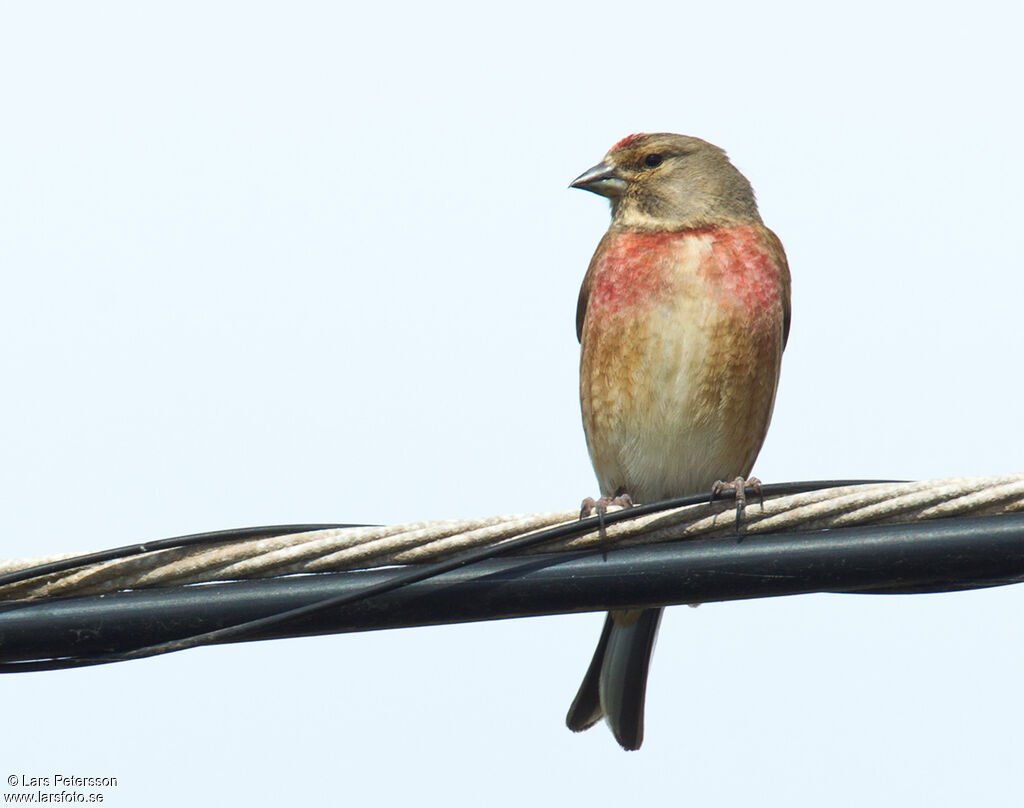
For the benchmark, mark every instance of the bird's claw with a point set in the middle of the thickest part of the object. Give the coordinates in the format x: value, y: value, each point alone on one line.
x: 739, y: 486
x: 590, y: 507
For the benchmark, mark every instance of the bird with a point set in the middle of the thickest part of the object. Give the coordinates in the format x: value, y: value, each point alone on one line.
x: 682, y: 319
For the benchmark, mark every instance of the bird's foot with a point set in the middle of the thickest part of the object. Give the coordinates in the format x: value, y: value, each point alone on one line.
x: 590, y: 507
x: 739, y: 486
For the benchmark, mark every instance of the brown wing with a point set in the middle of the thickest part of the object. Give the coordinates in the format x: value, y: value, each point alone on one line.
x: 588, y: 280
x: 779, y: 254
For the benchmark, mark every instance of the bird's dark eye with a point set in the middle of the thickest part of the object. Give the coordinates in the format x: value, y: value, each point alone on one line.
x: 653, y: 160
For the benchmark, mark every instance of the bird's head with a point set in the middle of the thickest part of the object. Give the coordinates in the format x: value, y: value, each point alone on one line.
x: 670, y: 182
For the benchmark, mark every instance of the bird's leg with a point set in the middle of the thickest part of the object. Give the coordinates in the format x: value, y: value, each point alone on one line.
x: 590, y: 506
x: 740, y: 486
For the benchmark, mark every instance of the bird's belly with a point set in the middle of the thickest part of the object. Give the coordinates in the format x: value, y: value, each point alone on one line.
x: 654, y: 457
x: 677, y: 398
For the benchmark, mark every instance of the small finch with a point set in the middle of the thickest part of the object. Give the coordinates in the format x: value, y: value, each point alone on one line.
x: 682, y: 319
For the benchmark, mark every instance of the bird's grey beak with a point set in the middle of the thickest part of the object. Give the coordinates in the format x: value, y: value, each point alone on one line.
x: 601, y: 179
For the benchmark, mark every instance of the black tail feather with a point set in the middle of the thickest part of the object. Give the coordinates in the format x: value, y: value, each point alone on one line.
x: 586, y: 707
x: 627, y: 659
x: 615, y: 684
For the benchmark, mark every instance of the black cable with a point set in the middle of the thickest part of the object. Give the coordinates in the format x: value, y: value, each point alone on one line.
x: 934, y: 555
x: 404, y: 577
x: 191, y: 540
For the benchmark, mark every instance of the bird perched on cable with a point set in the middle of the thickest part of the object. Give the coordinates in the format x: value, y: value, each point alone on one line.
x: 682, y: 319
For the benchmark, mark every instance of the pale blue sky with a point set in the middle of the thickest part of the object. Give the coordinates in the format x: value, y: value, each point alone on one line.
x: 304, y: 262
